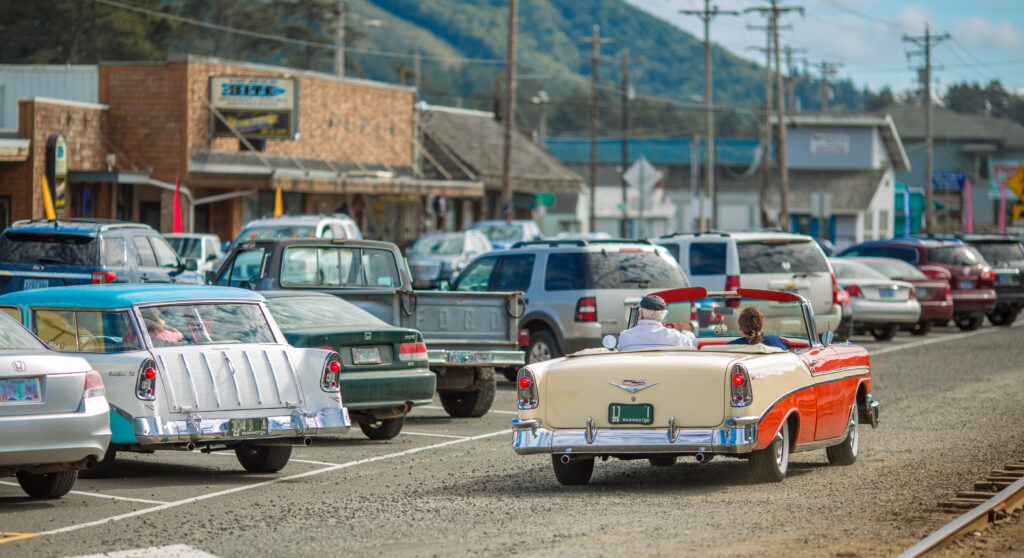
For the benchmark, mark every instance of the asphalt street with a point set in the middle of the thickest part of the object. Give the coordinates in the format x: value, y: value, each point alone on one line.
x: 952, y: 409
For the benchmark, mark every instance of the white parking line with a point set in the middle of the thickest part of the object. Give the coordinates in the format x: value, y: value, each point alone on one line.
x: 176, y: 550
x: 98, y: 495
x: 435, y: 435
x: 334, y: 467
x: 953, y: 337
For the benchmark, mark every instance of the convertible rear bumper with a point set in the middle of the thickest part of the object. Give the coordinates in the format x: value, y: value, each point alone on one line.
x: 736, y: 435
x: 326, y: 422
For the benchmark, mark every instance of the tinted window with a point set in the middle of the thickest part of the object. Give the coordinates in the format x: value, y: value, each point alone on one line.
x: 144, y: 252
x: 628, y: 269
x: 955, y: 255
x: 165, y: 255
x: 245, y: 268
x: 49, y: 249
x: 477, y: 276
x: 93, y: 331
x: 13, y: 336
x: 999, y: 252
x: 515, y: 273
x: 789, y: 257
x: 908, y: 255
x: 672, y: 249
x: 707, y: 258
x: 565, y: 272
x: 112, y: 252
x: 296, y: 313
x: 187, y: 247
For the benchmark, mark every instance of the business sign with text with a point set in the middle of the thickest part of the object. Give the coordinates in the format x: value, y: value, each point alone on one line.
x: 255, y: 107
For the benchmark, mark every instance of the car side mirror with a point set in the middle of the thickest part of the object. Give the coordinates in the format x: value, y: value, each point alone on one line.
x: 610, y: 342
x: 827, y: 337
x: 444, y: 286
x: 191, y: 264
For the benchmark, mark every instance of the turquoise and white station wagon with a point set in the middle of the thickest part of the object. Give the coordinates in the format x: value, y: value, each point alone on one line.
x: 191, y: 367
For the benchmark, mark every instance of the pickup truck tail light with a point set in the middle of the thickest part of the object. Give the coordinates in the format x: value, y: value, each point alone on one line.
x: 523, y: 337
x: 99, y: 277
x: 93, y: 385
x: 739, y: 382
x: 145, y: 387
x: 330, y: 379
x: 412, y: 351
x: 586, y: 309
x: 853, y: 290
x: 526, y: 387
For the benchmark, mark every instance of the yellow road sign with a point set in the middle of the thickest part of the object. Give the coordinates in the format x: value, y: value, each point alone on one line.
x: 1016, y: 182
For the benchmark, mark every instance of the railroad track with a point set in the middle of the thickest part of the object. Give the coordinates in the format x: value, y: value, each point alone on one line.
x: 991, y: 500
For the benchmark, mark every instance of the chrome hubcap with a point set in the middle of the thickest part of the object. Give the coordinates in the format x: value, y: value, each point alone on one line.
x: 540, y: 352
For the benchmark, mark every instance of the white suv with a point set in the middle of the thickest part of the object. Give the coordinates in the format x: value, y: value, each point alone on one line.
x: 778, y: 261
x: 300, y: 226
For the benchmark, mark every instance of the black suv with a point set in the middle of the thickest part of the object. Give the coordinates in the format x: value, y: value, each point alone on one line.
x: 51, y: 253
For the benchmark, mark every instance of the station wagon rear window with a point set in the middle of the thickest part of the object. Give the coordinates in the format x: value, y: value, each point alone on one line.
x: 309, y: 266
x: 93, y: 331
x: 783, y: 257
x: 49, y: 249
x: 206, y: 324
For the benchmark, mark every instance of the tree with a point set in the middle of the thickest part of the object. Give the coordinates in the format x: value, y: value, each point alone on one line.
x: 880, y: 101
x: 966, y: 98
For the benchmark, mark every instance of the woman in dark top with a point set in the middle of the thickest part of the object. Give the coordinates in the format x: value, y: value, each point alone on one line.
x: 751, y: 322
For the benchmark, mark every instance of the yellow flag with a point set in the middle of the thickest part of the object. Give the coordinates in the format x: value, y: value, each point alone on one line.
x: 48, y: 201
x: 278, y: 206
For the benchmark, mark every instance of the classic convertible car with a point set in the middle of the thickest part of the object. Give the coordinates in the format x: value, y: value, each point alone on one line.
x: 189, y: 367
x: 722, y: 399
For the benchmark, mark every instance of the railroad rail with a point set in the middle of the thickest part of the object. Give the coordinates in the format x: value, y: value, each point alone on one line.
x: 1009, y: 482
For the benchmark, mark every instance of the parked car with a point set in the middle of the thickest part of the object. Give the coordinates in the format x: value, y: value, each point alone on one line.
x: 971, y: 279
x: 1006, y: 256
x: 53, y: 415
x: 724, y: 261
x: 576, y: 291
x: 42, y: 253
x: 468, y: 335
x: 933, y: 293
x: 384, y: 369
x: 299, y: 226
x: 435, y: 258
x: 734, y: 400
x: 189, y: 367
x: 880, y: 305
x: 205, y: 248
x: 504, y: 234
x: 596, y: 235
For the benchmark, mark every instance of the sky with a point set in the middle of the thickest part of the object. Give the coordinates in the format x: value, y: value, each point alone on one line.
x: 865, y: 37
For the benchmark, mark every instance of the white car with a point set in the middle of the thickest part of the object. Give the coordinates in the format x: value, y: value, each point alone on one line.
x: 53, y: 414
x: 204, y: 248
x: 726, y: 261
x: 300, y: 226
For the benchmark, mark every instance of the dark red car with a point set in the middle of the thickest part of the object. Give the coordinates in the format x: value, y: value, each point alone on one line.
x: 971, y: 279
x: 933, y: 293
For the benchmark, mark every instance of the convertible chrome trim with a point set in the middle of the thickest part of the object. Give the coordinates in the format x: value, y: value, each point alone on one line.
x: 739, y: 436
x: 195, y: 428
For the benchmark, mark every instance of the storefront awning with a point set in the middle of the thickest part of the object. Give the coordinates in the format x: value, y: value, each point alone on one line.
x: 14, y: 150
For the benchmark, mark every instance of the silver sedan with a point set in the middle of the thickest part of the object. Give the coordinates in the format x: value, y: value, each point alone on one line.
x: 880, y: 305
x: 54, y: 417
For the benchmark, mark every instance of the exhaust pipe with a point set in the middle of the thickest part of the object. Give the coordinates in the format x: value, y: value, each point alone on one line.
x: 565, y: 459
x: 699, y: 457
x: 304, y: 441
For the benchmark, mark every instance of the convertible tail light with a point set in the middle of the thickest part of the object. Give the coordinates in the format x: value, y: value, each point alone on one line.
x: 93, y: 385
x: 523, y: 337
x: 853, y: 290
x: 526, y: 387
x: 412, y: 351
x: 586, y: 309
x: 739, y: 382
x: 145, y: 387
x: 330, y: 380
x: 99, y: 277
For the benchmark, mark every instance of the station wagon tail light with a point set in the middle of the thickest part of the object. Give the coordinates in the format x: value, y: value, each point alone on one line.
x: 412, y: 351
x: 145, y: 387
x: 330, y: 380
x: 526, y: 389
x: 586, y: 309
x: 854, y: 290
x: 740, y: 394
x: 100, y: 277
x: 93, y: 385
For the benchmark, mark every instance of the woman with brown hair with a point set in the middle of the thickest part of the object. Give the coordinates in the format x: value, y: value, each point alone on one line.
x: 751, y: 323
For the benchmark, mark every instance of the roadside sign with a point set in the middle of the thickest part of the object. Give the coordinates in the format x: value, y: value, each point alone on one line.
x: 1016, y: 182
x: 545, y: 199
x: 642, y: 175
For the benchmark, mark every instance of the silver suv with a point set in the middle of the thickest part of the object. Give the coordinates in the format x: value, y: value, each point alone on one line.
x: 724, y: 261
x: 576, y: 291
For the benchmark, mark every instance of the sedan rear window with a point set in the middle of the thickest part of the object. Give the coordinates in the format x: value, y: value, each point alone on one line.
x: 304, y: 312
x: 13, y: 336
x: 787, y: 257
x: 955, y: 255
x: 49, y: 249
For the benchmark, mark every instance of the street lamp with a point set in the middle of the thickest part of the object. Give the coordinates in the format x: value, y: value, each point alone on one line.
x: 541, y: 99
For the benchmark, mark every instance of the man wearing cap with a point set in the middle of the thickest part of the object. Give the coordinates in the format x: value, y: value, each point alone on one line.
x: 650, y: 332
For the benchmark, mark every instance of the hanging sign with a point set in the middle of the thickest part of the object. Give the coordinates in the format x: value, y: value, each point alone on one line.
x: 57, y: 172
x: 257, y: 107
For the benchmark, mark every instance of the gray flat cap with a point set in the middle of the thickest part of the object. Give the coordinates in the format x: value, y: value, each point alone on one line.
x: 653, y: 302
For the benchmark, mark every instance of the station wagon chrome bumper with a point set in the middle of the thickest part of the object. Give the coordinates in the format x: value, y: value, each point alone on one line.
x: 737, y: 435
x: 326, y: 422
x: 446, y: 357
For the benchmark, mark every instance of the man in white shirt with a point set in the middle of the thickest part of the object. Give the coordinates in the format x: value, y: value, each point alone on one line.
x: 650, y: 332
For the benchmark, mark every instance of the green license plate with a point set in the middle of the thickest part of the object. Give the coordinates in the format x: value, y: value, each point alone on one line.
x: 247, y: 427
x: 624, y: 413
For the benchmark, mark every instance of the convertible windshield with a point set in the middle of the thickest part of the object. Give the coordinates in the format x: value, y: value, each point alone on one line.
x: 206, y: 324
x: 712, y: 318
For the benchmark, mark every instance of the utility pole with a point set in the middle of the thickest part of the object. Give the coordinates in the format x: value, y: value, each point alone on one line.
x: 416, y: 74
x: 541, y: 99
x: 339, y: 41
x: 510, y: 110
x: 707, y: 14
x: 925, y: 43
x: 765, y: 129
x: 595, y: 40
x: 827, y: 69
x: 791, y: 85
x: 626, y: 98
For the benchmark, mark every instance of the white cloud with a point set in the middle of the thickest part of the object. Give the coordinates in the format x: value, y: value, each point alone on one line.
x: 981, y: 32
